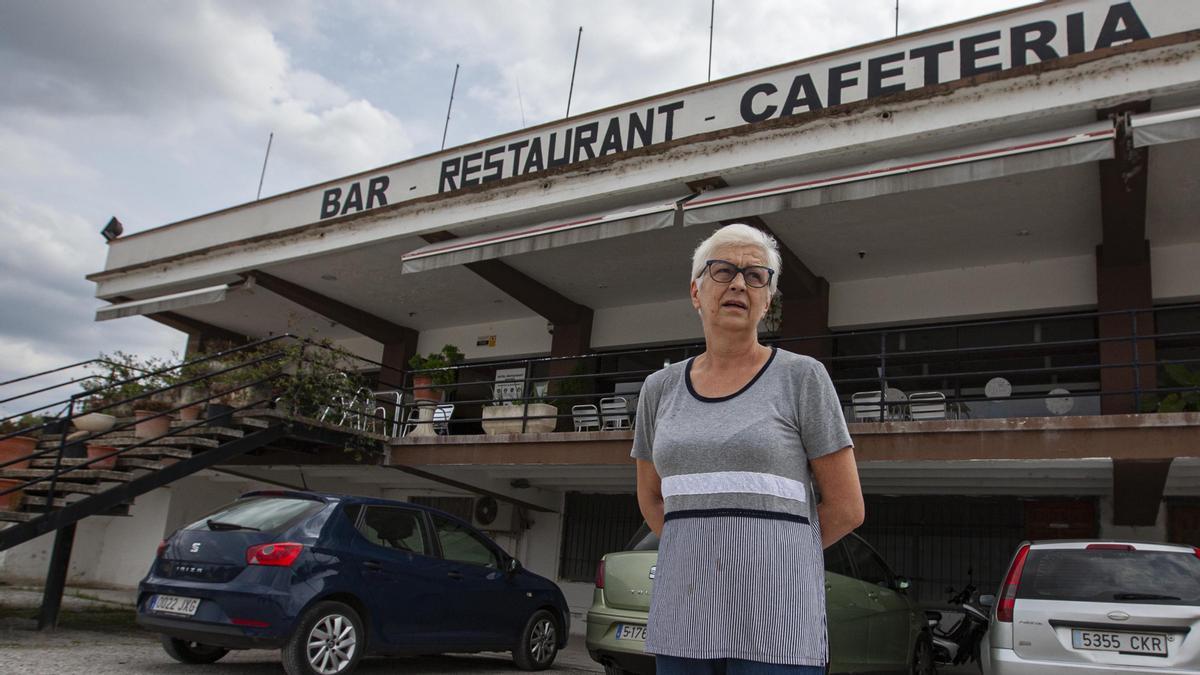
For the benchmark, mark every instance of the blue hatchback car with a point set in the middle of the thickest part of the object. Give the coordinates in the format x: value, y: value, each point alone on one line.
x: 328, y: 579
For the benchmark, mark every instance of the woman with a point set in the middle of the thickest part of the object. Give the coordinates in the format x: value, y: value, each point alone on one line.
x: 726, y: 444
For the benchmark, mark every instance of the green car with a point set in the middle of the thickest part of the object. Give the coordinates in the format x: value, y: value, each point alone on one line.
x: 873, y: 626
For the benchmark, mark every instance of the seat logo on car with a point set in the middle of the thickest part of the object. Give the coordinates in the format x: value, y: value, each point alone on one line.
x: 195, y: 547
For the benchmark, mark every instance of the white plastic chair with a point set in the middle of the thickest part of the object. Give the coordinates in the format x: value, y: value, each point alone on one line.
x: 380, y: 413
x: 866, y: 406
x: 586, y: 416
x: 927, y: 405
x: 614, y: 414
x: 441, y: 418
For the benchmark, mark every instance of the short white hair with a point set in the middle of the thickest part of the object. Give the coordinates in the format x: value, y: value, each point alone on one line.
x: 737, y: 234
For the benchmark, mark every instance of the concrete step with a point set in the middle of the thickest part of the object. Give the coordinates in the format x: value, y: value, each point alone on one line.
x: 81, y: 476
x: 139, y: 463
x: 154, y: 452
x: 65, y: 487
x: 17, y: 516
x: 251, y: 419
x: 206, y: 431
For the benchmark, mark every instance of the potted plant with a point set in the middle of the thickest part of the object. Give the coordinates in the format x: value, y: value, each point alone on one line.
x: 439, y: 364
x: 17, y: 447
x: 152, y: 421
x: 510, y: 418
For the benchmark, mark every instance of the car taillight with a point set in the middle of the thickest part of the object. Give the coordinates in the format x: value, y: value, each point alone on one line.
x: 161, y: 547
x: 279, y: 555
x: 1196, y: 550
x: 600, y: 575
x: 1008, y: 590
x: 1110, y: 547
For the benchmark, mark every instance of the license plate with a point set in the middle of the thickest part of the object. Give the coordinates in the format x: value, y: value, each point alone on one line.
x: 627, y: 631
x: 173, y: 604
x: 1147, y: 644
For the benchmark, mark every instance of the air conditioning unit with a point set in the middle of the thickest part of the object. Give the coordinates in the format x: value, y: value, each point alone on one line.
x: 492, y: 515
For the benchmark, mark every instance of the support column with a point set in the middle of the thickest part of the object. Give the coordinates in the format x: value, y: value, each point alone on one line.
x: 56, y: 577
x: 1123, y: 279
x: 1138, y: 490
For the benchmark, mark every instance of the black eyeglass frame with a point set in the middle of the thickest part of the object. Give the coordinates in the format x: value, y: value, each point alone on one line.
x: 737, y: 270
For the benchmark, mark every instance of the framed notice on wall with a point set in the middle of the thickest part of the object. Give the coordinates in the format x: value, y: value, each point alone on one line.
x: 510, y: 385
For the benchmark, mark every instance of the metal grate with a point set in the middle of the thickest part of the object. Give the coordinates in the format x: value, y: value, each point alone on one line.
x: 594, y: 525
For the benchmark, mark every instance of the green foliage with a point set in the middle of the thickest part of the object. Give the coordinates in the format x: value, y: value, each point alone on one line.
x: 121, y: 376
x: 447, y: 357
x: 1178, y: 375
x: 24, y: 422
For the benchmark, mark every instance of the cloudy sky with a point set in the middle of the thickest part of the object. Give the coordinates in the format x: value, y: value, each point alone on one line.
x: 158, y: 111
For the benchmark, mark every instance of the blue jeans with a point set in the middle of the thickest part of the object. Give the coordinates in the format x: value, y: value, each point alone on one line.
x: 674, y: 665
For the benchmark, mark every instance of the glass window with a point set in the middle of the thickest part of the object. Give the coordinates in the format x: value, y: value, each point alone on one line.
x: 351, y: 511
x: 462, y: 545
x: 264, y: 513
x: 1101, y: 575
x: 393, y: 527
x: 838, y: 561
x: 867, y: 563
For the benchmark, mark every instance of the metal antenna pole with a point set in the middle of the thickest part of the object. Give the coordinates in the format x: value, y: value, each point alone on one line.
x: 571, y: 92
x: 897, y: 17
x: 453, y: 85
x: 521, y: 102
x: 712, y: 14
x: 264, y: 169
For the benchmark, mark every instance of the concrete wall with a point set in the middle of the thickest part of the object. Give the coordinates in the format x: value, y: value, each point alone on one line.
x: 1174, y: 274
x: 514, y: 338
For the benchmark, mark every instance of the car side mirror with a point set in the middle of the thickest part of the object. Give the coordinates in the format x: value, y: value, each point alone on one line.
x: 513, y: 566
x: 987, y: 601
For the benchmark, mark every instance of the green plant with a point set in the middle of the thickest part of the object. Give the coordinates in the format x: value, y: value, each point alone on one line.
x: 153, y: 404
x: 1178, y: 375
x: 24, y: 422
x: 438, y: 362
x: 120, y: 376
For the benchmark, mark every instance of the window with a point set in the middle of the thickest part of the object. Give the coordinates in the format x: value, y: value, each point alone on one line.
x: 264, y: 513
x: 1100, y: 575
x: 838, y: 561
x: 396, y: 528
x: 869, y: 565
x: 462, y: 545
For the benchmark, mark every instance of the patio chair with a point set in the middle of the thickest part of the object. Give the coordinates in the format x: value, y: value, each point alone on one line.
x: 586, y: 416
x: 866, y: 406
x: 441, y: 418
x: 614, y: 414
x: 927, y: 405
x: 392, y: 421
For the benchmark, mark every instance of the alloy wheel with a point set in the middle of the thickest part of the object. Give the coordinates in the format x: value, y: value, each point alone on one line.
x: 331, y: 644
x: 542, y: 641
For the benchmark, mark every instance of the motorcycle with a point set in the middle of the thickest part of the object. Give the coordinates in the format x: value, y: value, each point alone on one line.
x: 959, y: 643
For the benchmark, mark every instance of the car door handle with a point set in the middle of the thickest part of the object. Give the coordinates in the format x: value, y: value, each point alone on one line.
x: 454, y: 575
x: 373, y: 565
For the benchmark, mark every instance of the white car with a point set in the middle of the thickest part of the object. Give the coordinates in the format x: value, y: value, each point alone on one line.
x: 1069, y: 607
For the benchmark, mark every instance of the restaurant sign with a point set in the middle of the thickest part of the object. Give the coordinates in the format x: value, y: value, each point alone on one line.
x: 1039, y: 33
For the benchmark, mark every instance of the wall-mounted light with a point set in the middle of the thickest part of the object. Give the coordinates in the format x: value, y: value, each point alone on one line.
x: 112, y: 230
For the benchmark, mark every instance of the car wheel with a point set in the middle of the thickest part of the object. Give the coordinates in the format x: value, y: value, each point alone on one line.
x: 539, y: 642
x: 184, y: 651
x: 328, y: 640
x: 922, y: 662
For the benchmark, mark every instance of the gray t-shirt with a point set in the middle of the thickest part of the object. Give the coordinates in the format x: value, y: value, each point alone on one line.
x: 747, y: 450
x: 739, y: 571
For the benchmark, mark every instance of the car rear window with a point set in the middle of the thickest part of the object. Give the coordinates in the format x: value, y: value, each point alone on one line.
x: 264, y: 513
x: 1105, y: 575
x: 643, y: 540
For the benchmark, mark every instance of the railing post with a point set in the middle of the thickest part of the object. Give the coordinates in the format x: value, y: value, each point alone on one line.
x: 525, y: 400
x: 883, y: 376
x: 1137, y: 370
x: 56, y: 577
x: 58, y: 457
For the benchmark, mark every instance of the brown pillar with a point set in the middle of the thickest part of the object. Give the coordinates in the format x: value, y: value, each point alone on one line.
x: 806, y: 314
x: 1123, y: 273
x: 1138, y: 490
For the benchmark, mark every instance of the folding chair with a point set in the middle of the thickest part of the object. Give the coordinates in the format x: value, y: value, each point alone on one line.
x: 614, y: 413
x: 379, y: 413
x: 867, y: 406
x: 927, y: 405
x: 441, y: 418
x: 586, y: 416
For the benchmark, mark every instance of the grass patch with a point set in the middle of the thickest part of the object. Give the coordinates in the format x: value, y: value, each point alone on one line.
x: 104, y: 619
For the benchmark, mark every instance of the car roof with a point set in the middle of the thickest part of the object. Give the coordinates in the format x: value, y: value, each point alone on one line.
x: 1141, y: 545
x: 334, y: 498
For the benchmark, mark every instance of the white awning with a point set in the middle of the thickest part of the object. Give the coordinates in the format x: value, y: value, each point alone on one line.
x: 166, y: 303
x: 1170, y: 126
x: 1089, y: 143
x: 490, y: 245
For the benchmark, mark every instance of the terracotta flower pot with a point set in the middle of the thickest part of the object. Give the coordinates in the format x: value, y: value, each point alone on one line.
x: 191, y: 413
x: 421, y: 390
x: 15, y: 447
x: 12, y: 500
x: 98, y: 450
x: 149, y: 426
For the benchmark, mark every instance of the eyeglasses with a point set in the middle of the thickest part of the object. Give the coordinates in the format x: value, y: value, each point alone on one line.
x: 723, y: 272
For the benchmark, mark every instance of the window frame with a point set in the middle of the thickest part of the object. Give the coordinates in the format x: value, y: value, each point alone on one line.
x: 423, y: 523
x: 498, y: 555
